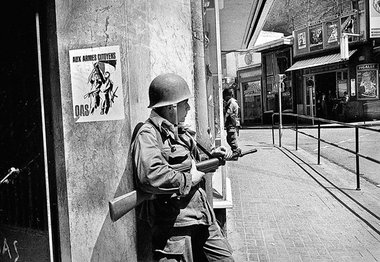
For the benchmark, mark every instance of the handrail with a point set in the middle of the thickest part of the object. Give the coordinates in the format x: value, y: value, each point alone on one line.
x: 319, y: 120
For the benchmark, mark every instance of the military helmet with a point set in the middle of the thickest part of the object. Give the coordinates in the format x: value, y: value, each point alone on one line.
x: 167, y: 89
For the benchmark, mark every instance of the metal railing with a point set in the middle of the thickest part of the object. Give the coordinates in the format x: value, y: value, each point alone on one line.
x: 317, y: 120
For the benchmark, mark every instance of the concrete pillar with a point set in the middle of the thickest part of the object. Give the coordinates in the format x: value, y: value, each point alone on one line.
x: 153, y: 37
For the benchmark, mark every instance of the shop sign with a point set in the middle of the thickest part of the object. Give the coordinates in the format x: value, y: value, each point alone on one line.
x: 367, y: 79
x: 326, y: 68
x: 374, y: 18
x: 316, y: 37
x: 254, y: 88
x: 96, y: 84
x: 252, y: 72
x: 353, y: 84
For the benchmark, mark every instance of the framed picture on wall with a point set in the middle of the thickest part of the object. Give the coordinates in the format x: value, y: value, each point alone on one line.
x: 367, y: 79
x: 331, y: 31
x: 316, y: 37
x: 301, y: 45
x: 342, y: 88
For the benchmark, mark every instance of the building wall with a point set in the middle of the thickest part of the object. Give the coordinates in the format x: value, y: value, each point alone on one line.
x: 286, y: 16
x: 154, y: 37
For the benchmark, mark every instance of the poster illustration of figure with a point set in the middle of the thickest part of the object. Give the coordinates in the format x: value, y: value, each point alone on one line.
x: 301, y: 40
x: 316, y: 38
x: 376, y: 5
x: 332, y: 32
x: 367, y: 76
x: 96, y: 84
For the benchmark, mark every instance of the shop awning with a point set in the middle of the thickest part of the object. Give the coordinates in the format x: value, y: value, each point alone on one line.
x: 318, y: 61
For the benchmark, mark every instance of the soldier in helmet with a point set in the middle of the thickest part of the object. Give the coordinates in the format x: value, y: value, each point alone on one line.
x: 182, y: 222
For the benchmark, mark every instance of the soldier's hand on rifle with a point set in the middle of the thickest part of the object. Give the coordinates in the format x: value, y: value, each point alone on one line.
x: 196, y: 176
x: 221, y: 152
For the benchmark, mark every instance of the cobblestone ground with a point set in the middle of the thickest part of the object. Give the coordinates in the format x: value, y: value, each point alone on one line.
x: 284, y: 211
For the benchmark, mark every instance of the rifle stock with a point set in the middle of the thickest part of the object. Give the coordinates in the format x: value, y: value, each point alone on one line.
x: 121, y: 205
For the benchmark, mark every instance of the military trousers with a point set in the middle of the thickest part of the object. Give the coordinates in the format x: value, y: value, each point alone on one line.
x: 198, y: 243
x: 232, y: 138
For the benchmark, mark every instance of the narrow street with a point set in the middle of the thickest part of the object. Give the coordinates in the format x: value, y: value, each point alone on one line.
x: 288, y: 208
x: 343, y: 137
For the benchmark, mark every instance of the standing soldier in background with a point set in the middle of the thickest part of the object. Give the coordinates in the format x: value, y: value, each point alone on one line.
x: 183, y: 224
x: 231, y: 118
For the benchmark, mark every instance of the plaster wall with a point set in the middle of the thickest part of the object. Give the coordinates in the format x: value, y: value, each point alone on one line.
x: 154, y: 37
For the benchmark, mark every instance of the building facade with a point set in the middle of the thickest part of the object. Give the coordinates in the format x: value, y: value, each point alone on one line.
x: 332, y: 66
x: 336, y: 83
x: 64, y: 151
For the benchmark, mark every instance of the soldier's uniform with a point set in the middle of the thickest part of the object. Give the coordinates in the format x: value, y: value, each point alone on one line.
x: 231, y: 110
x: 183, y: 223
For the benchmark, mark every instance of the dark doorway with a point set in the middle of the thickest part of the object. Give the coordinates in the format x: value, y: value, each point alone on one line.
x: 252, y: 103
x: 325, y: 87
x: 23, y: 201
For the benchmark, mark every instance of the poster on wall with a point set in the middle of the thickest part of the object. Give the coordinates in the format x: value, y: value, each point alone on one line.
x: 96, y: 84
x: 368, y: 81
x: 316, y: 37
x: 301, y: 43
x: 331, y: 32
x: 374, y: 18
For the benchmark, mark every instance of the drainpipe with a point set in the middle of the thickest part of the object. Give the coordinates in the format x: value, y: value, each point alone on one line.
x: 219, y: 67
x: 222, y: 137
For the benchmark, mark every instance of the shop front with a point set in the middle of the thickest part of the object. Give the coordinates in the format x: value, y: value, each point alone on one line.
x: 249, y: 81
x: 276, y: 57
x: 325, y: 85
x: 335, y: 72
x: 338, y: 90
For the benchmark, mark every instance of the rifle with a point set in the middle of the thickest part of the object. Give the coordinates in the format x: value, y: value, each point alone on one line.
x: 121, y: 205
x: 114, y: 95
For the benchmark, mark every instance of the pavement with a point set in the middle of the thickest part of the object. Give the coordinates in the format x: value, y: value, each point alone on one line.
x: 286, y: 207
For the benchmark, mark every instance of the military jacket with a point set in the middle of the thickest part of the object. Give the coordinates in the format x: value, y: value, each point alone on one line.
x: 231, y: 113
x: 176, y: 202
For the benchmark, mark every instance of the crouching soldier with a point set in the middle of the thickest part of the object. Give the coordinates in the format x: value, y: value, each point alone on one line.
x: 183, y: 224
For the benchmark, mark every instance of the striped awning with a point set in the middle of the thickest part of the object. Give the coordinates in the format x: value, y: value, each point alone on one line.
x: 318, y: 61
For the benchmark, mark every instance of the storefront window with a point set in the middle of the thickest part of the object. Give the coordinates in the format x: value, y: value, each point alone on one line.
x: 252, y: 101
x: 342, y: 86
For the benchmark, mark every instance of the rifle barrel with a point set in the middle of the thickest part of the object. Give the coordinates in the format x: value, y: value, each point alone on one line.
x: 250, y: 151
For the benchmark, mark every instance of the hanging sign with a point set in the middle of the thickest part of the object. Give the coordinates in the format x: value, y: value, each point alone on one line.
x: 96, y: 84
x: 301, y: 45
x: 331, y: 33
x: 316, y: 37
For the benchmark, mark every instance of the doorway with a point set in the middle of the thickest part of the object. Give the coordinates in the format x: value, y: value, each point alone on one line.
x: 24, y: 214
x: 325, y: 86
x: 252, y: 103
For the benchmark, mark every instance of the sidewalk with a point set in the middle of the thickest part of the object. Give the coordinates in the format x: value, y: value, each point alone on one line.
x: 288, y: 208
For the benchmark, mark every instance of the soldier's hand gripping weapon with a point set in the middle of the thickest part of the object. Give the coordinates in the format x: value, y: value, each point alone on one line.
x: 121, y: 205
